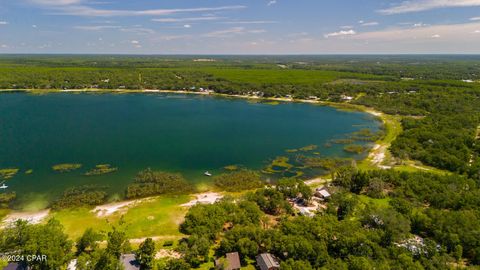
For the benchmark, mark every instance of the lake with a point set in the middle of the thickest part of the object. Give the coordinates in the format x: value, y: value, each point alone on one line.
x: 189, y: 134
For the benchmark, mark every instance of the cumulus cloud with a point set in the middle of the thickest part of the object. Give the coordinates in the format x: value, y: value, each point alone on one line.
x: 341, y: 33
x: 422, y: 5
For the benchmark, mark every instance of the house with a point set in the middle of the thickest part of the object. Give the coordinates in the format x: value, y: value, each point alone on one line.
x: 322, y: 193
x: 348, y: 98
x: 231, y: 262
x: 129, y: 262
x: 267, y: 261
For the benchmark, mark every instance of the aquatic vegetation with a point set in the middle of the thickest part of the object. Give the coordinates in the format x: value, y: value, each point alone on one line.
x: 101, y: 169
x: 291, y: 150
x: 309, y: 148
x: 8, y: 173
x: 354, y: 148
x: 88, y: 195
x: 273, y: 103
x: 343, y: 141
x: 238, y: 181
x: 366, y: 134
x: 29, y: 171
x: 66, y: 167
x: 149, y: 183
x: 324, y: 163
x: 279, y: 164
x: 231, y: 167
x: 6, y: 198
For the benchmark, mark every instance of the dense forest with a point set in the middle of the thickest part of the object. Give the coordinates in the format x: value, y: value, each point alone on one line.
x: 375, y: 219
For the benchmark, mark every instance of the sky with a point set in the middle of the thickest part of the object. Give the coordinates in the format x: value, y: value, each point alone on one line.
x: 240, y: 26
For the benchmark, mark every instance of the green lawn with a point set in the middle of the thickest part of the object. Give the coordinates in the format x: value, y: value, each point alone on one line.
x: 157, y: 217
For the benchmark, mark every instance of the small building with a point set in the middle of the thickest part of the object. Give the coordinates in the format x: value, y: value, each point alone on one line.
x: 129, y: 262
x: 322, y: 193
x: 267, y: 261
x: 347, y: 98
x: 230, y: 262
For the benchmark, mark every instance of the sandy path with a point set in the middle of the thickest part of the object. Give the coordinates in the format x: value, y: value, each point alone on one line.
x: 204, y: 198
x: 111, y: 208
x: 30, y: 217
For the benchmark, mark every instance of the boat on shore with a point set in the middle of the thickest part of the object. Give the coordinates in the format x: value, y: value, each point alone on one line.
x: 207, y: 173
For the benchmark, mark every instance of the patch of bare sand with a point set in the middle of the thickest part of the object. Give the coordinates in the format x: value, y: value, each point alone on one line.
x: 118, y: 207
x: 204, y: 198
x: 30, y: 217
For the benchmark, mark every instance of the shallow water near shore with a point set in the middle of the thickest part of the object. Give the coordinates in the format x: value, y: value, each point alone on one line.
x: 188, y: 134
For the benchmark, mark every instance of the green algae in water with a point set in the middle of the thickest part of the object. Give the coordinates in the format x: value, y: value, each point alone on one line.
x: 101, y: 169
x: 66, y: 167
x: 8, y: 173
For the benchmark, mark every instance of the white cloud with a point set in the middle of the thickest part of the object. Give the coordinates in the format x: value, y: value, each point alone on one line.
x: 475, y: 19
x: 187, y: 26
x: 34, y: 26
x: 83, y: 10
x: 340, y: 33
x: 135, y: 42
x: 476, y: 32
x: 419, y: 24
x: 450, y: 34
x: 195, y: 19
x: 56, y: 2
x: 96, y: 27
x: 422, y: 5
x: 3, y: 23
x: 370, y: 24
x: 251, y: 22
x: 234, y: 31
x: 271, y: 2
x: 4, y: 46
x: 346, y: 27
x: 137, y: 30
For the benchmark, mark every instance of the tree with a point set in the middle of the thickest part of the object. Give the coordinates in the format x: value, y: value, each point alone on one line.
x: 146, y: 254
x: 88, y: 241
x: 291, y: 264
x: 176, y: 264
x: 117, y: 243
x: 48, y: 240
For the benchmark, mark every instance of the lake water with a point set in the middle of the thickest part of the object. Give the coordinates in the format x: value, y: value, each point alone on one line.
x: 178, y: 133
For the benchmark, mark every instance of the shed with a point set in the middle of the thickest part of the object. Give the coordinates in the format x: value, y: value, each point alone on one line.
x: 267, y: 261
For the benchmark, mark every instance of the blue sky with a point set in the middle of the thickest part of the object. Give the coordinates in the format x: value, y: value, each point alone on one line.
x: 239, y: 26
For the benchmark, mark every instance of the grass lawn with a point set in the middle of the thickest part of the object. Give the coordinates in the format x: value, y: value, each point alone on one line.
x: 157, y: 217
